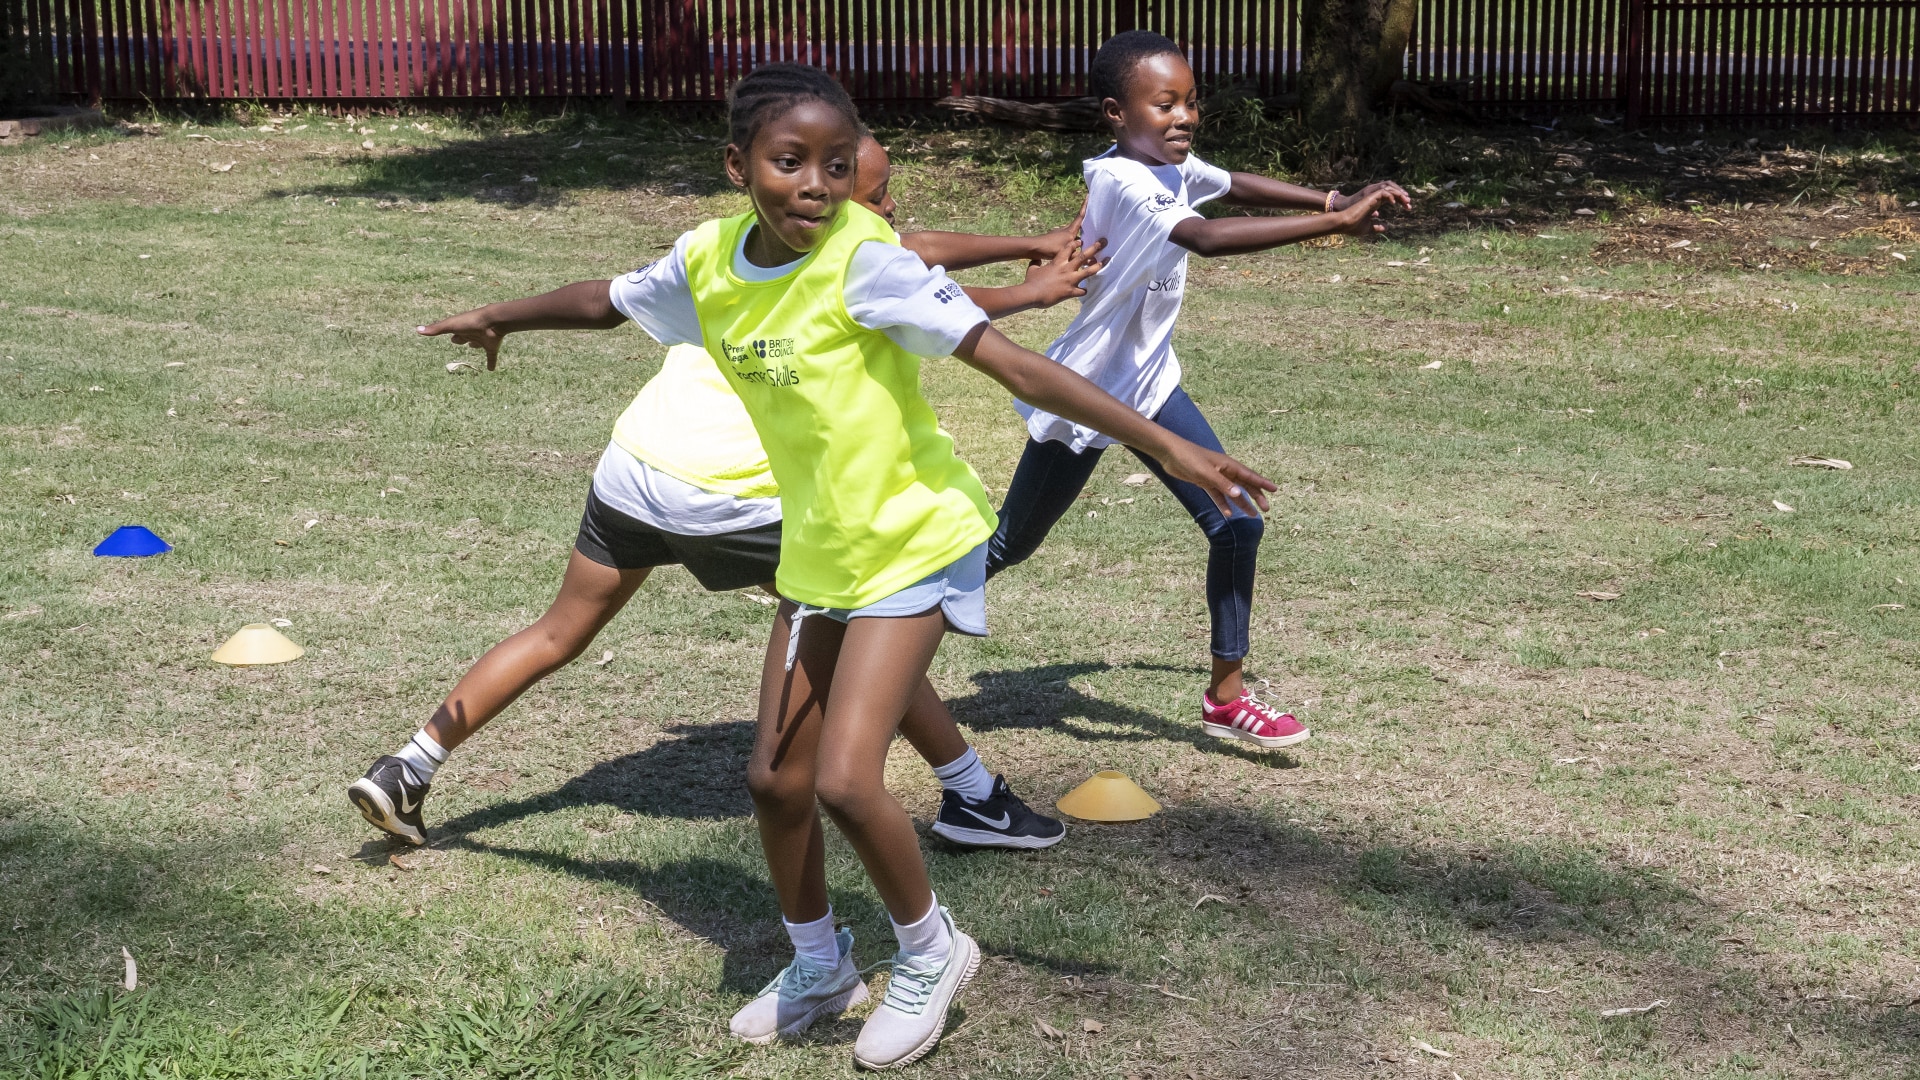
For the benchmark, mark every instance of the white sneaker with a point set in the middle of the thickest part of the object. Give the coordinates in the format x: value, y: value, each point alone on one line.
x: 801, y: 994
x: 908, y: 1023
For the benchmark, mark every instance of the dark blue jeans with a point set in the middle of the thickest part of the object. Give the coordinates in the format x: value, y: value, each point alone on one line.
x: 1050, y: 477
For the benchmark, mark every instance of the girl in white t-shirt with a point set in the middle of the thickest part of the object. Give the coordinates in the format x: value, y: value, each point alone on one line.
x: 1141, y: 196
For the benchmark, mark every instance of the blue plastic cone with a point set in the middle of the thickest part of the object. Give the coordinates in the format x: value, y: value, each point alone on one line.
x: 132, y: 542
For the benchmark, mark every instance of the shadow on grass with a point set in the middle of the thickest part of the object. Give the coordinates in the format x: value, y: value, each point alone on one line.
x: 537, y: 164
x: 698, y: 771
x: 695, y: 772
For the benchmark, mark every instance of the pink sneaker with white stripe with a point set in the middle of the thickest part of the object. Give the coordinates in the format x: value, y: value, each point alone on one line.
x: 1249, y: 718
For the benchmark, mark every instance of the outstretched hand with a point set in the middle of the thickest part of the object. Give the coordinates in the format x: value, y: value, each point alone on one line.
x: 1048, y: 243
x: 1061, y: 277
x: 1230, y: 484
x: 1396, y: 196
x: 1360, y: 214
x: 470, y: 328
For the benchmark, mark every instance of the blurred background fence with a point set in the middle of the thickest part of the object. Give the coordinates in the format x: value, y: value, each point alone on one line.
x: 1645, y: 58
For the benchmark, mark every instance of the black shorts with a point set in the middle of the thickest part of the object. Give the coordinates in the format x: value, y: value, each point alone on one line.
x: 721, y: 562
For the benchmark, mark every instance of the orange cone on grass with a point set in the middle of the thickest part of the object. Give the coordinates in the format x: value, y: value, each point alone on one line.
x: 255, y: 644
x: 1108, y: 796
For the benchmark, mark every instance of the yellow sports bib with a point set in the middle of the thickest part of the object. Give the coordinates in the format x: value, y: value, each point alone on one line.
x: 688, y: 423
x: 872, y: 496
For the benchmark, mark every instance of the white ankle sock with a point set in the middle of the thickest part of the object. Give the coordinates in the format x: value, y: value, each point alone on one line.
x: 966, y: 777
x: 423, y: 757
x: 814, y: 940
x: 928, y: 938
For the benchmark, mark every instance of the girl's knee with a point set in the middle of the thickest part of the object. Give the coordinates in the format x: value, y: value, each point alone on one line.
x: 560, y: 641
x: 1238, y: 530
x: 779, y: 793
x: 845, y: 793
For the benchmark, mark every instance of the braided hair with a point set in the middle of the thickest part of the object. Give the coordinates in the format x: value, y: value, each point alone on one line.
x: 1113, y: 65
x: 768, y: 92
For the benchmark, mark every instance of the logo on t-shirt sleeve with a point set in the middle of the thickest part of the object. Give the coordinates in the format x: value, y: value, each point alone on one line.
x: 1160, y: 201
x: 948, y: 293
x: 640, y: 275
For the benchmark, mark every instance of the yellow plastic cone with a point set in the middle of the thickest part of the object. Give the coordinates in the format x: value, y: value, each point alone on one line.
x: 1108, y: 796
x: 257, y: 643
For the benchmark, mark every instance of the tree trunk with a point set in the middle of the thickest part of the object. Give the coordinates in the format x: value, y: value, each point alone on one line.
x: 1354, y: 51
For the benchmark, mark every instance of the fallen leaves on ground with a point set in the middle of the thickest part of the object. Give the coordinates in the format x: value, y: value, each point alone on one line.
x: 1597, y: 594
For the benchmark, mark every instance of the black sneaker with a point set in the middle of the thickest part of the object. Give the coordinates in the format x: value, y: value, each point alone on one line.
x: 388, y: 797
x: 999, y: 820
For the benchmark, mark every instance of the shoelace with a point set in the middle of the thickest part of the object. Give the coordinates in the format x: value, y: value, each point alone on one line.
x: 910, y: 986
x: 1265, y: 713
x: 800, y: 612
x: 798, y: 977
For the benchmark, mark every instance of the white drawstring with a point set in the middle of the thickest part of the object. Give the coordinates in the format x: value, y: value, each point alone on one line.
x: 800, y: 612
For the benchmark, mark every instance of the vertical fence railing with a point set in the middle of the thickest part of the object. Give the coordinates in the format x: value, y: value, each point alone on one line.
x: 1769, y: 58
x: 1547, y: 52
x: 1652, y: 58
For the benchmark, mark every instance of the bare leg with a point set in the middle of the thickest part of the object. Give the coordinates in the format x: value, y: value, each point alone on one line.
x: 930, y: 727
x: 1228, y: 684
x: 780, y: 775
x: 882, y: 663
x: 928, y: 724
x: 813, y: 742
x: 590, y: 596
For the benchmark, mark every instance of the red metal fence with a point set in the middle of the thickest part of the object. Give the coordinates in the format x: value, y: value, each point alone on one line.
x: 1649, y: 58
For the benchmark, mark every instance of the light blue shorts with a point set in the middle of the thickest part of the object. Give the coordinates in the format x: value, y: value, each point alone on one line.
x: 958, y: 589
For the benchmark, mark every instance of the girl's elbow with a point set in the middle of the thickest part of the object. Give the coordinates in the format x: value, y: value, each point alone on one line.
x: 1202, y: 244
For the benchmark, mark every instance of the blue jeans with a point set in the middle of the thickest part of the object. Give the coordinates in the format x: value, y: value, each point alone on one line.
x: 1050, y: 477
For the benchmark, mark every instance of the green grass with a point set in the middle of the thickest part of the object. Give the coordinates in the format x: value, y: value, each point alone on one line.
x: 1520, y: 807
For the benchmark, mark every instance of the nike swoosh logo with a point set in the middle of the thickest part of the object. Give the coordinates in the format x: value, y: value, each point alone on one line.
x: 1003, y: 822
x: 405, y: 806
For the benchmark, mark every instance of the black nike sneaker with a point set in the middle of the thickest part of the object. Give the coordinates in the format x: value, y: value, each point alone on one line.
x: 388, y: 797
x: 999, y: 820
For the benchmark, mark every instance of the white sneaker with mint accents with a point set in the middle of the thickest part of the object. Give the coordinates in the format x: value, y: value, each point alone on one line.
x: 907, y: 1025
x: 800, y: 995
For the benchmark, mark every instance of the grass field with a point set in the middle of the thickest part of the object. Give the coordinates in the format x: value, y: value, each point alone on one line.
x: 1521, y: 807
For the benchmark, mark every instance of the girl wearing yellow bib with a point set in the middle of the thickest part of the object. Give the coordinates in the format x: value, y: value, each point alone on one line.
x: 685, y: 480
x: 881, y: 547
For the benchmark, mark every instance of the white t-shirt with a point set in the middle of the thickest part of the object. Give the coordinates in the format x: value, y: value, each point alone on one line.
x: 887, y: 289
x: 1122, y: 338
x: 669, y: 503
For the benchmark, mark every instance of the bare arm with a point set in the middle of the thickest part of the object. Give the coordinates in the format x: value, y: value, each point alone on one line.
x: 1264, y: 192
x: 1215, y: 237
x: 1254, y: 190
x: 1048, y: 283
x: 1039, y: 381
x: 583, y: 305
x: 964, y: 251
